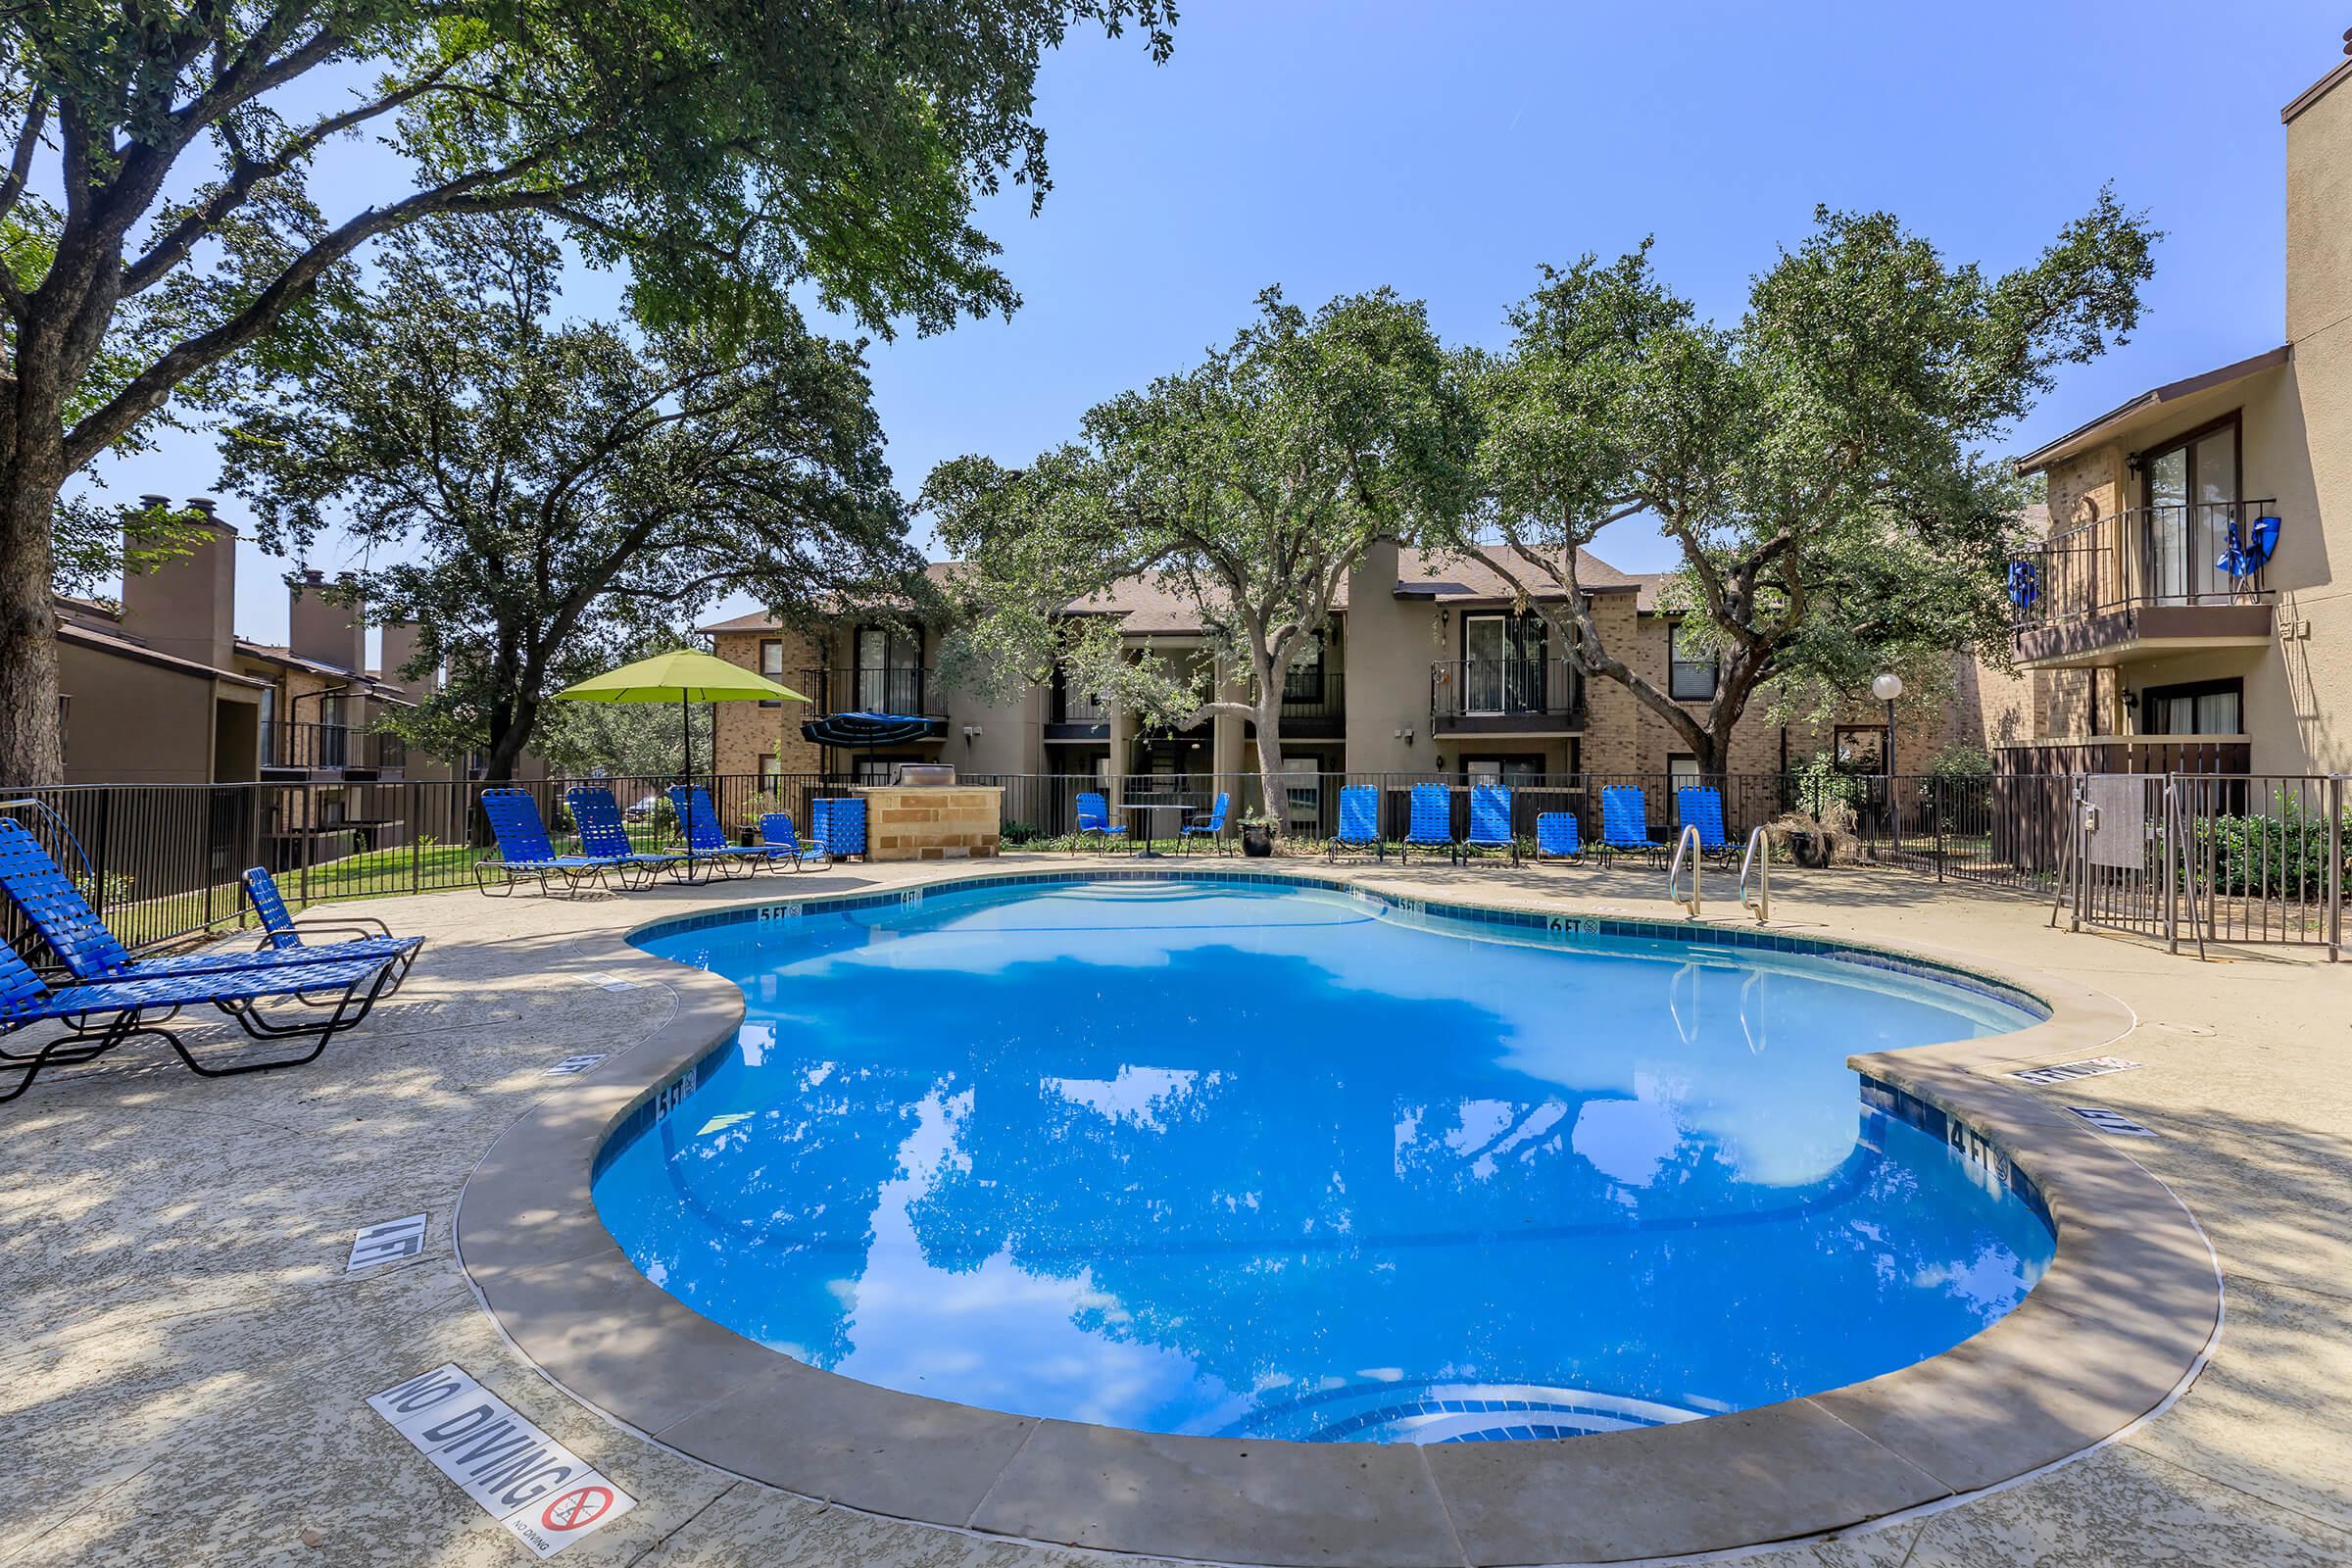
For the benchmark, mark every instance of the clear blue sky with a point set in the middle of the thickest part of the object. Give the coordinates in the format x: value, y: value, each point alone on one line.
x: 1447, y: 149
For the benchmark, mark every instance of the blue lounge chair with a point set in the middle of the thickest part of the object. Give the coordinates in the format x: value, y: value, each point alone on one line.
x: 1625, y: 824
x: 525, y: 853
x: 1430, y: 826
x: 1490, y: 820
x: 1557, y: 837
x: 706, y: 841
x: 78, y: 935
x: 605, y: 834
x: 1212, y: 826
x: 1360, y: 823
x: 1701, y: 806
x: 1093, y: 817
x: 784, y: 845
x: 358, y: 936
x: 99, y: 1016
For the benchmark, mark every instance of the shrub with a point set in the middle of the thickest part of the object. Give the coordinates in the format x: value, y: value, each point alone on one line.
x: 2282, y: 852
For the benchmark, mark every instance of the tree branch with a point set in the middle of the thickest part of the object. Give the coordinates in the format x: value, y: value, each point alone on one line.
x: 19, y: 162
x: 146, y: 391
x: 174, y: 246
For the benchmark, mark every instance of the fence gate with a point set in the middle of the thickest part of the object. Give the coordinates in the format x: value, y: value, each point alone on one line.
x: 2119, y: 870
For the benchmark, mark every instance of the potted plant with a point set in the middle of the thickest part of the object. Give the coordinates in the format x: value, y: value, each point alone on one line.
x: 1257, y: 837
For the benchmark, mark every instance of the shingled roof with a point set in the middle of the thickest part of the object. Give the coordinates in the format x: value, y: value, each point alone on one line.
x: 1146, y: 606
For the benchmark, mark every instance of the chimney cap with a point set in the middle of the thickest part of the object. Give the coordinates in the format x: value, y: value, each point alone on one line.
x: 150, y: 502
x: 202, y: 504
x: 312, y: 574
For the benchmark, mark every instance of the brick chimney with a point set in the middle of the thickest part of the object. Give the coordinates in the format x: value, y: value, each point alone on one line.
x: 400, y: 647
x: 187, y: 606
x: 323, y: 629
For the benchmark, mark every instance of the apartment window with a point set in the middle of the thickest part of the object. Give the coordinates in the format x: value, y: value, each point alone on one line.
x: 1303, y: 682
x: 2202, y: 708
x: 1682, y: 770
x: 771, y: 769
x: 2190, y: 492
x: 1503, y: 663
x: 875, y: 771
x: 1690, y: 673
x: 771, y: 665
x: 890, y: 666
x: 1519, y: 772
x: 1861, y: 747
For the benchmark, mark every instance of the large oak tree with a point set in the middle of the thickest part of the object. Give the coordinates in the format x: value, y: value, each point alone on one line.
x: 158, y: 217
x: 1821, y: 467
x: 543, y: 499
x: 1247, y: 487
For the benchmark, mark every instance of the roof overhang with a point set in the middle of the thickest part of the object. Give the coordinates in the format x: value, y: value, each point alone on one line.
x: 2317, y: 90
x: 2078, y: 439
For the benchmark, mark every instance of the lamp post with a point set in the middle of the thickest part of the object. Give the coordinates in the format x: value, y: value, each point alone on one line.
x: 1887, y: 688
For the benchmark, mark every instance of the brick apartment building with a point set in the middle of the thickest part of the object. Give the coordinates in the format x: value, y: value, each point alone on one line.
x: 1429, y: 669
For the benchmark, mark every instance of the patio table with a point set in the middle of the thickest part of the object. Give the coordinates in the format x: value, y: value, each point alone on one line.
x: 1143, y: 850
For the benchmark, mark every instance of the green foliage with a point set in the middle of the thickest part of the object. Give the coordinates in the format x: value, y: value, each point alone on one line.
x: 1821, y: 466
x: 1823, y: 784
x: 1961, y: 759
x: 724, y: 156
x: 1245, y: 488
x: 545, y: 498
x: 2280, y: 854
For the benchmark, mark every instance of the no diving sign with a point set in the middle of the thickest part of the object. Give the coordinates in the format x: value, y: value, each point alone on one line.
x: 567, y: 1515
x: 539, y: 1492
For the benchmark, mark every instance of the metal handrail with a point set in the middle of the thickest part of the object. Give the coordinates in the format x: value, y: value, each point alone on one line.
x: 1759, y: 858
x: 1689, y: 842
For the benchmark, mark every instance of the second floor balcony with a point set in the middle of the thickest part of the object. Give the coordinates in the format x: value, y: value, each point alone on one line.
x: 902, y: 689
x: 1505, y: 697
x: 315, y: 749
x: 2148, y: 581
x: 1314, y: 703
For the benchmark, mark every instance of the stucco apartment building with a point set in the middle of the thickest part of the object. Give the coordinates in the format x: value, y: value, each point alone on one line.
x: 2144, y: 646
x: 1429, y: 668
x: 159, y: 689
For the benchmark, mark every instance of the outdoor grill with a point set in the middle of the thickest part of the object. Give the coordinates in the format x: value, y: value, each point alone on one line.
x: 925, y: 776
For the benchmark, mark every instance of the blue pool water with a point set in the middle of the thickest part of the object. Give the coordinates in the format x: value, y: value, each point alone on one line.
x: 1235, y: 1159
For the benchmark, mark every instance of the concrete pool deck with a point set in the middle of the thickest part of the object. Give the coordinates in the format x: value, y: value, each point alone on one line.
x: 187, y: 1364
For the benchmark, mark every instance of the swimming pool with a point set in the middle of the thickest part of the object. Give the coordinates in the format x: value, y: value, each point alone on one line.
x: 1235, y: 1158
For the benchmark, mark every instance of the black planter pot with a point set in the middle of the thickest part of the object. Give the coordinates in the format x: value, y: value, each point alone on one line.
x: 1257, y: 842
x: 1809, y: 848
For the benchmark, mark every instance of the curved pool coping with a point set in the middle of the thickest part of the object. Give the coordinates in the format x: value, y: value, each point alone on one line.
x: 2122, y: 1320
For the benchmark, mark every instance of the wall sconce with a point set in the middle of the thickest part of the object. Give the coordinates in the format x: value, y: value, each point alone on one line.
x: 1439, y: 761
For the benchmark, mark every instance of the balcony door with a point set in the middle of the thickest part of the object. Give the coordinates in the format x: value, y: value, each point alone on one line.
x: 1503, y: 664
x: 2192, y: 493
x: 888, y: 662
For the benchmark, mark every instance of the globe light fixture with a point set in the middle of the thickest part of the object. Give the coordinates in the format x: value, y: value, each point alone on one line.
x: 1887, y: 688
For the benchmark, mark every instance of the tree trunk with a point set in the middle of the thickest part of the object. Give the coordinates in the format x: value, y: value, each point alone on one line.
x: 31, y: 747
x: 1269, y: 756
x: 508, y: 743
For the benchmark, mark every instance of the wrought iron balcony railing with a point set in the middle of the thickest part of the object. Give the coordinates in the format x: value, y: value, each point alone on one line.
x: 1505, y: 689
x: 2149, y: 555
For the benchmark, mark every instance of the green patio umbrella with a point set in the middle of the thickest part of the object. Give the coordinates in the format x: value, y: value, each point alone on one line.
x: 684, y: 676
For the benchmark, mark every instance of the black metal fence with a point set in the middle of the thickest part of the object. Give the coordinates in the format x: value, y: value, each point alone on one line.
x: 2264, y: 857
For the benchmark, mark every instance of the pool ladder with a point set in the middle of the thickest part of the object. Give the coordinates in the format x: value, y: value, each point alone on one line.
x: 1757, y: 859
x: 1686, y: 845
x: 1755, y: 865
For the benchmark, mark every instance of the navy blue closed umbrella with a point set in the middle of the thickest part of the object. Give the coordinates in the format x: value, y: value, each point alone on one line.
x: 871, y: 730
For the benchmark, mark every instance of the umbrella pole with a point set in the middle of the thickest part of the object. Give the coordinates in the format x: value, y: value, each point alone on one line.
x: 686, y: 729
